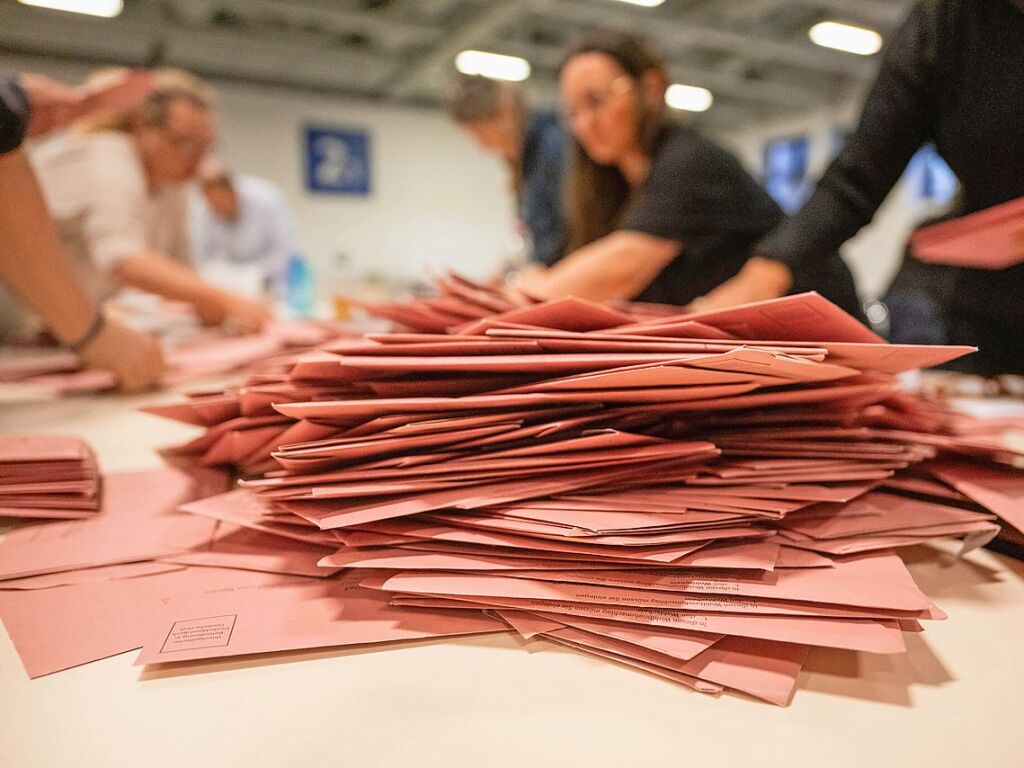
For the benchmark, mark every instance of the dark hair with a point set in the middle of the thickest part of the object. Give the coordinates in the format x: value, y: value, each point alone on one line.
x: 596, y: 194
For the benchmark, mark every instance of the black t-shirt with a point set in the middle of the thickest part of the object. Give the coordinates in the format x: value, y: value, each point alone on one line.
x: 699, y: 195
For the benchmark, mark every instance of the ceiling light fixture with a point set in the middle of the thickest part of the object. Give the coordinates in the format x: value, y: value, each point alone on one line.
x: 108, y: 9
x: 493, y: 65
x: 689, y: 97
x: 845, y: 37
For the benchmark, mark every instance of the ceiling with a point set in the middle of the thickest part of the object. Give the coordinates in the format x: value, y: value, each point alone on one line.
x: 753, y: 55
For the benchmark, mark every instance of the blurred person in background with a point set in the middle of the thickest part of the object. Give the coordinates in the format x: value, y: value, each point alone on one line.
x: 656, y: 211
x: 242, y: 231
x: 532, y: 145
x: 33, y: 263
x: 116, y: 186
x: 953, y: 74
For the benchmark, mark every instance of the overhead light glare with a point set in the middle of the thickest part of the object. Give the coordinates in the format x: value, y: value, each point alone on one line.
x: 493, y: 65
x: 107, y: 9
x: 845, y: 37
x: 689, y: 97
x: 644, y: 3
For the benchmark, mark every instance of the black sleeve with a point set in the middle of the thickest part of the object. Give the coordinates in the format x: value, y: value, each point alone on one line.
x: 695, y: 187
x: 898, y: 117
x: 13, y: 115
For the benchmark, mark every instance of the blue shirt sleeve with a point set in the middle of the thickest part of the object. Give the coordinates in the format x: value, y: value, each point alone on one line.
x: 542, y: 210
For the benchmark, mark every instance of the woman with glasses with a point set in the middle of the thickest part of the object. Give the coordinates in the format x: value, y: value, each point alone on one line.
x: 656, y: 212
x: 115, y: 185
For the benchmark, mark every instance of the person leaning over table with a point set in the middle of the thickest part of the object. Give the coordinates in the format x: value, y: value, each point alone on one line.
x: 33, y: 263
x: 533, y: 146
x: 116, y: 185
x: 242, y: 229
x: 656, y: 211
x: 953, y: 74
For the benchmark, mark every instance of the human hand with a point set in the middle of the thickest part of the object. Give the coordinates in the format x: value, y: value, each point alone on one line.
x: 132, y: 356
x: 760, y: 279
x: 234, y: 312
x: 54, y: 104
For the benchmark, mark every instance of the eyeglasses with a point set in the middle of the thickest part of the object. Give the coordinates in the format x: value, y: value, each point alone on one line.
x: 595, y: 101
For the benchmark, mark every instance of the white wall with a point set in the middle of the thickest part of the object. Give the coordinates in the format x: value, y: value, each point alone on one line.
x: 875, y: 254
x: 436, y: 200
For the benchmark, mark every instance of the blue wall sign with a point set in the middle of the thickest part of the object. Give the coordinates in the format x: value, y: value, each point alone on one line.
x: 337, y: 161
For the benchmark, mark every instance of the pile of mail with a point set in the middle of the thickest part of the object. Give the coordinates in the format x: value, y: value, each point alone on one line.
x: 47, y: 477
x: 701, y: 496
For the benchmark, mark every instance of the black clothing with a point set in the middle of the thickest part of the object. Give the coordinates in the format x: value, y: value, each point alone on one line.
x: 954, y: 75
x: 699, y: 195
x: 13, y: 115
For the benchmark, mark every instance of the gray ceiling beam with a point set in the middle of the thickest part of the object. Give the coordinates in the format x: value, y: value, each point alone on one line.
x: 476, y: 30
x: 672, y: 35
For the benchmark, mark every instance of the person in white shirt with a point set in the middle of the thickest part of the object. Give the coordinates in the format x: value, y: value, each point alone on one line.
x: 242, y: 231
x: 116, y: 189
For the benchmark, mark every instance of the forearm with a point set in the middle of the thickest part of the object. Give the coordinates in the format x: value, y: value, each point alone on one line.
x: 619, y: 266
x: 898, y: 117
x: 156, y: 273
x: 32, y: 261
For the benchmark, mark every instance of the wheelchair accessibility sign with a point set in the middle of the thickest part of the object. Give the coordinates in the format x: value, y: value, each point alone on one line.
x: 337, y: 161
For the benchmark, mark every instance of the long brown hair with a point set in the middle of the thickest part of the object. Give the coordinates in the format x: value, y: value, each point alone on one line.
x: 596, y: 194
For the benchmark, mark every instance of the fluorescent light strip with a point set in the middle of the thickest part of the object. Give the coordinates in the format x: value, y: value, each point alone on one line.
x: 844, y: 37
x: 108, y: 9
x: 689, y: 97
x: 644, y: 3
x: 493, y: 65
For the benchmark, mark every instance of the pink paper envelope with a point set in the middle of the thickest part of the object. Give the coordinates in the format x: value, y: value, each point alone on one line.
x: 90, y: 575
x: 999, y: 490
x: 802, y: 317
x: 764, y: 669
x: 869, y: 635
x: 878, y: 513
x: 296, y: 615
x: 448, y: 346
x: 234, y: 546
x: 43, y: 448
x: 395, y: 558
x: 501, y: 586
x: 990, y: 239
x: 668, y: 327
x: 878, y: 580
x: 138, y: 521
x: 63, y: 627
x: 438, y: 534
x: 334, y: 515
x: 679, y: 644
x: 245, y: 508
x: 570, y: 314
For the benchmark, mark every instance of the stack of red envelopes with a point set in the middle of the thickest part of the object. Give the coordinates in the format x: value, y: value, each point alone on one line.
x: 702, y: 496
x: 47, y: 477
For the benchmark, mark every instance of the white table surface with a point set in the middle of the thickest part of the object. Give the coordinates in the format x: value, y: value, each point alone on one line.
x: 955, y: 699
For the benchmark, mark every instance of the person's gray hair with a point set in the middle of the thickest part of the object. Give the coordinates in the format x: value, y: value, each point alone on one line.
x: 475, y: 98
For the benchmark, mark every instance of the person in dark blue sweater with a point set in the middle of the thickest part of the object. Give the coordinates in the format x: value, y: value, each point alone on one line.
x: 532, y: 145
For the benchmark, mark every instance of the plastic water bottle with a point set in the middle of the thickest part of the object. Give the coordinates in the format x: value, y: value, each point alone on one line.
x: 301, y: 287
